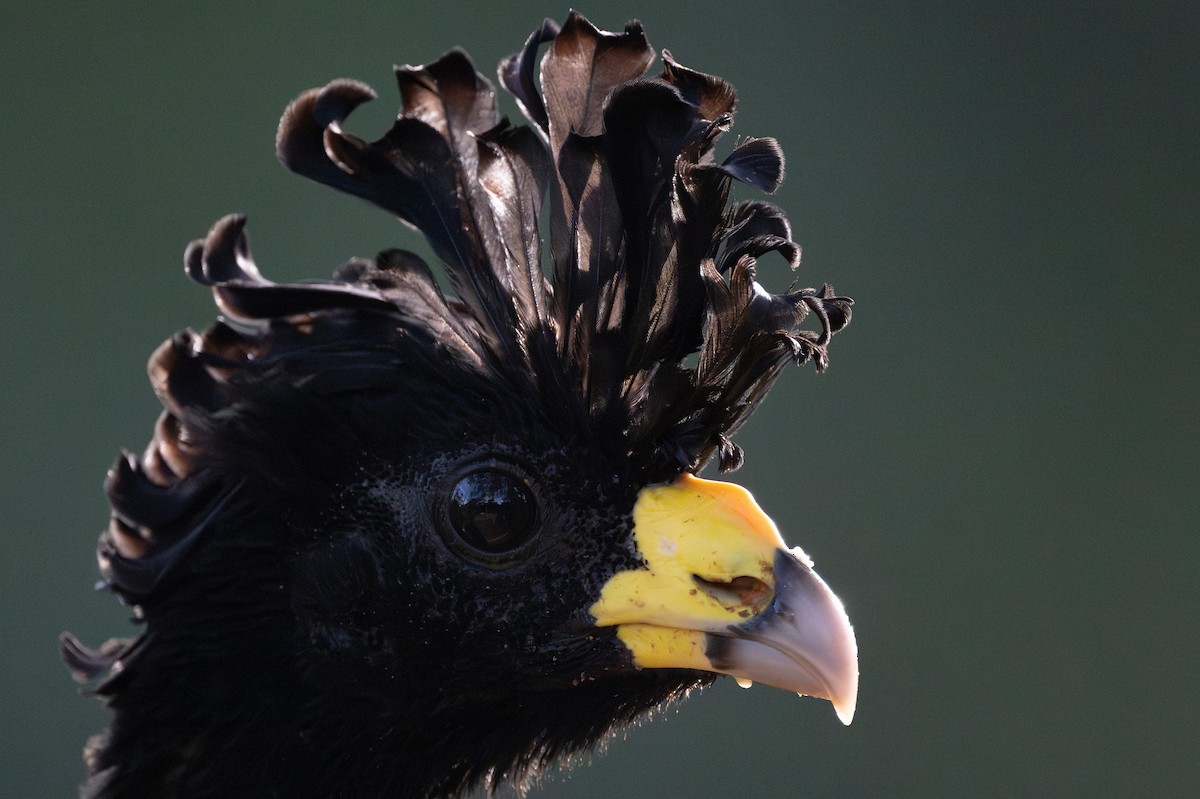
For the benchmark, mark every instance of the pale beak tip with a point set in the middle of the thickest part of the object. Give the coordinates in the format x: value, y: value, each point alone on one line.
x: 845, y: 709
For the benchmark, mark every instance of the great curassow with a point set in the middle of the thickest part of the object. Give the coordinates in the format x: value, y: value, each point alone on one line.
x: 388, y: 541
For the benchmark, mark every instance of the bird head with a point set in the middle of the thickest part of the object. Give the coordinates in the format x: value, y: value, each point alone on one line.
x: 393, y: 540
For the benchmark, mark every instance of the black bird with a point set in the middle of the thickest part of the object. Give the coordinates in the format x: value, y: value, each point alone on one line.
x: 392, y: 541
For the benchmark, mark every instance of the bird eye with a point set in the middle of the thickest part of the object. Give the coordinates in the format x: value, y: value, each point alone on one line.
x: 492, y: 511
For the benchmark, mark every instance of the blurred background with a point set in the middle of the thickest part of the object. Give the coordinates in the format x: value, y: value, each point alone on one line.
x: 998, y: 473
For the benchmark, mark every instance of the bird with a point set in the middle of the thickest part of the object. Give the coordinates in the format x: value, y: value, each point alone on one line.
x: 397, y: 538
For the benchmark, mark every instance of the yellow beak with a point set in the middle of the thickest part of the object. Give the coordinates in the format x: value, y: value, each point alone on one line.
x: 721, y: 592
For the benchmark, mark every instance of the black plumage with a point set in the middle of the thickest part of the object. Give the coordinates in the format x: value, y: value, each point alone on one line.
x: 365, y: 538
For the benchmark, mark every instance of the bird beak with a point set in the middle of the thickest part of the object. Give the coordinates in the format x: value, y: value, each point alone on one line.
x: 721, y: 592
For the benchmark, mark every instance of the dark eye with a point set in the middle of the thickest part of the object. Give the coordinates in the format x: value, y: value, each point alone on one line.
x: 493, y: 511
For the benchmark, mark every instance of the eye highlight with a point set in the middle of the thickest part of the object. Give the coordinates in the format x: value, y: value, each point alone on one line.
x: 493, y: 512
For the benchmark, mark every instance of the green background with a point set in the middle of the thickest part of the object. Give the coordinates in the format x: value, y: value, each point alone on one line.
x: 998, y: 474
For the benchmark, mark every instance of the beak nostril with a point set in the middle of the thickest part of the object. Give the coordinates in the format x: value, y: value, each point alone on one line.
x: 741, y: 592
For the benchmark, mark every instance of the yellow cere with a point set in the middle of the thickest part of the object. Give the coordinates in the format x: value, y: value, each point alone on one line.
x: 665, y: 647
x: 687, y: 529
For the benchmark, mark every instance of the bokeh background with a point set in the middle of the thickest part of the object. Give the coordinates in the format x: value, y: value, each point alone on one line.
x: 998, y: 474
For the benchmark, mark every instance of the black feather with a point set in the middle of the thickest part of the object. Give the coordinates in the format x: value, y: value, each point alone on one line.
x: 259, y: 537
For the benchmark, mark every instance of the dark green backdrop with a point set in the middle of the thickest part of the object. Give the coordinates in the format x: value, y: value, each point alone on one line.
x: 998, y: 473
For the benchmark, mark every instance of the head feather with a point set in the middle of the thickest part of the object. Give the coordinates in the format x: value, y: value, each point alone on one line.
x: 647, y: 334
